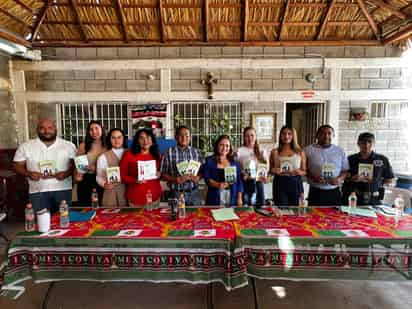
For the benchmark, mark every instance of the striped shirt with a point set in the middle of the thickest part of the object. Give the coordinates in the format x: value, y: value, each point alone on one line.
x: 175, y: 155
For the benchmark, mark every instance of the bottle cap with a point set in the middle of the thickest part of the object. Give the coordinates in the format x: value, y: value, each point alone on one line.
x: 29, y: 205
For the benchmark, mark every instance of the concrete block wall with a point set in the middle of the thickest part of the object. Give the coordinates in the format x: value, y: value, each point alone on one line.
x: 386, y: 78
x: 390, y: 133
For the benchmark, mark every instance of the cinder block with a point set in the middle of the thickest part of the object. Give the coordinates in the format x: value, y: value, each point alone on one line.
x: 64, y: 75
x: 107, y: 53
x: 379, y: 84
x: 321, y: 84
x: 391, y: 72
x: 370, y: 73
x: 345, y: 84
x: 84, y: 75
x: 354, y: 51
x: 46, y: 75
x: 128, y: 52
x: 223, y: 85
x: 325, y: 51
x: 262, y: 84
x: 251, y: 74
x: 283, y: 84
x: 136, y: 85
x: 216, y: 73
x: 192, y: 73
x: 397, y: 84
x: 144, y: 74
x: 190, y: 52
x: 271, y: 73
x: 169, y: 52
x: 153, y: 85
x: 86, y: 53
x: 211, y: 51
x: 231, y: 51
x: 301, y: 84
x: 196, y: 85
x: 356, y: 83
x: 231, y: 74
x: 115, y: 85
x: 52, y: 85
x: 250, y: 51
x: 271, y: 51
x: 180, y: 85
x: 375, y: 51
x: 104, y: 74
x: 74, y: 85
x: 95, y: 85
x: 149, y: 52
x: 294, y: 51
x: 393, y: 51
x: 175, y: 74
x: 350, y: 73
x: 292, y: 73
x: 65, y: 53
x: 242, y: 84
x: 125, y: 74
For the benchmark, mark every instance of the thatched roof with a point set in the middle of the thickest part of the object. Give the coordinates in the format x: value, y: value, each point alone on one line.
x: 205, y: 22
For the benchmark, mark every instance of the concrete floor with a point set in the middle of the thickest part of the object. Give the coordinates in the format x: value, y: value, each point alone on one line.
x: 272, y: 294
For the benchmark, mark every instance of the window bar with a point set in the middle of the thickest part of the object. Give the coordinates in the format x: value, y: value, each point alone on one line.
x: 77, y: 124
x: 63, y: 112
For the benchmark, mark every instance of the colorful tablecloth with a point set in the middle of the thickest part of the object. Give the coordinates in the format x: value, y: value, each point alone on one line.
x: 135, y: 245
x: 128, y: 245
x: 325, y: 243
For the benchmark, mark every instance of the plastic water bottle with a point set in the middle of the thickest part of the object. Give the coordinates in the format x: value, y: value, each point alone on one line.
x: 149, y: 200
x: 399, y: 206
x: 352, y: 202
x: 64, y: 215
x: 29, y: 218
x: 182, y: 206
x: 95, y: 199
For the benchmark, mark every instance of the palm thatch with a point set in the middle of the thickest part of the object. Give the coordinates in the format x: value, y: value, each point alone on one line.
x: 206, y: 22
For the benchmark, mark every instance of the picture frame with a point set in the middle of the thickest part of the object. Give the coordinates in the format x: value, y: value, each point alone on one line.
x: 265, y: 126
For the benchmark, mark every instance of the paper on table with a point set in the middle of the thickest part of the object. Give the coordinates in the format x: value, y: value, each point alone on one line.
x: 363, y: 212
x: 224, y: 214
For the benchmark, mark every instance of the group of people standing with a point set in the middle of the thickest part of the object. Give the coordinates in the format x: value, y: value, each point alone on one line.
x: 233, y: 178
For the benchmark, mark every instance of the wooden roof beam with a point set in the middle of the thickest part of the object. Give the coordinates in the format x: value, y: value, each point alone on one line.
x: 325, y: 19
x: 401, y: 35
x: 369, y: 18
x: 122, y: 19
x: 4, y: 34
x: 25, y: 6
x: 245, y: 18
x: 81, y: 26
x: 161, y: 22
x: 389, y: 8
x: 40, y: 20
x: 21, y: 21
x: 205, y: 15
x: 282, y: 18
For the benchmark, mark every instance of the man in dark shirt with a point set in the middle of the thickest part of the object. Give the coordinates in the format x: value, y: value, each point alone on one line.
x: 369, y: 171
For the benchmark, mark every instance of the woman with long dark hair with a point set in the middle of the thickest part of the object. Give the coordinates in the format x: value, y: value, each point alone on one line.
x: 114, y: 189
x: 141, y: 192
x: 252, y: 158
x: 222, y: 175
x: 288, y: 164
x: 93, y: 146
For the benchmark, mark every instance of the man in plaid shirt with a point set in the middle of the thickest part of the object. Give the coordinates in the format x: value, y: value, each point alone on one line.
x: 180, y: 181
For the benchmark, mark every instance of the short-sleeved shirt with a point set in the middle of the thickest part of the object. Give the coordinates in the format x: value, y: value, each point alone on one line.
x: 35, y: 151
x: 381, y: 170
x: 245, y: 154
x: 175, y: 155
x: 318, y: 156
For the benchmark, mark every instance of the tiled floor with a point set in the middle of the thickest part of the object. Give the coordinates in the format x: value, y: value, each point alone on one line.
x: 271, y: 294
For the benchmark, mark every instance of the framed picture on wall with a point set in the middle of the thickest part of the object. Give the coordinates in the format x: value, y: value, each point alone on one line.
x: 265, y: 125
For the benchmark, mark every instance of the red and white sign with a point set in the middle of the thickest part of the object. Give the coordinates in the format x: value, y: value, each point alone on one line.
x: 307, y: 94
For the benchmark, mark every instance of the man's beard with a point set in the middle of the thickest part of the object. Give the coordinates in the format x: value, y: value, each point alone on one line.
x: 47, y: 138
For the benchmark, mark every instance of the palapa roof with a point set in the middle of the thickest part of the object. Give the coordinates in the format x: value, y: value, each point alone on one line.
x: 205, y: 22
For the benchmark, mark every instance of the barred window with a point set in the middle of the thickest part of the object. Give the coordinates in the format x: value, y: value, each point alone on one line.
x: 74, y: 118
x: 209, y: 120
x: 390, y: 110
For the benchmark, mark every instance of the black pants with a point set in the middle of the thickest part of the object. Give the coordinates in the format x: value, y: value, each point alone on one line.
x: 320, y: 197
x: 85, y: 189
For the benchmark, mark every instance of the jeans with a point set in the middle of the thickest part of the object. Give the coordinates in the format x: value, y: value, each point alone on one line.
x: 50, y: 200
x: 192, y: 198
x: 254, y: 197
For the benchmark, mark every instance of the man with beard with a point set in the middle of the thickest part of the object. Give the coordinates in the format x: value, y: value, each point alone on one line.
x: 327, y: 167
x: 47, y: 162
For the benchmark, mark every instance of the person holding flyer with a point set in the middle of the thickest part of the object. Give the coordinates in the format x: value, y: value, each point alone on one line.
x: 181, y: 168
x: 139, y: 170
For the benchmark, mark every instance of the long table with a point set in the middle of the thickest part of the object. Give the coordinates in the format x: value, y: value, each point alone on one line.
x: 135, y: 245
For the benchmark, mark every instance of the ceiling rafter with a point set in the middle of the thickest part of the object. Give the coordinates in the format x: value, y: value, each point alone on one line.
x: 325, y: 19
x: 205, y: 17
x: 25, y: 6
x: 283, y: 18
x: 369, y: 18
x: 79, y: 21
x: 14, y: 17
x: 161, y: 22
x: 401, y: 35
x: 388, y: 7
x: 245, y: 19
x: 40, y: 19
x: 122, y: 19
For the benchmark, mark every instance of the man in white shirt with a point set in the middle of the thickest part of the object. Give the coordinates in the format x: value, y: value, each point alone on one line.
x: 47, y: 162
x: 327, y: 169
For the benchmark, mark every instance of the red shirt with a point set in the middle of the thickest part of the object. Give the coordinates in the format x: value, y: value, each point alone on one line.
x: 136, y: 192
